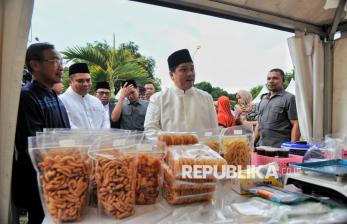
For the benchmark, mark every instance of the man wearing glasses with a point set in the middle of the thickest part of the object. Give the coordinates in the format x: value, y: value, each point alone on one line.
x: 103, y: 92
x: 39, y: 108
x: 85, y: 111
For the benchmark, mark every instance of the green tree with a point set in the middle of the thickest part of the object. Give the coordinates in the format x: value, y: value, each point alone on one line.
x: 256, y: 90
x: 215, y: 92
x: 288, y: 76
x: 110, y: 64
x: 147, y: 63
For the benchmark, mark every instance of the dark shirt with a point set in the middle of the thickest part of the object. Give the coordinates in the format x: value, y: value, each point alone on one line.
x: 39, y: 107
x: 274, y: 115
x: 111, y: 108
x: 133, y: 115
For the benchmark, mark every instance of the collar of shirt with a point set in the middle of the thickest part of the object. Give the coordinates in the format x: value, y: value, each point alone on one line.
x: 73, y: 93
x: 40, y: 85
x: 134, y: 103
x: 183, y: 92
x: 279, y: 93
x: 106, y: 106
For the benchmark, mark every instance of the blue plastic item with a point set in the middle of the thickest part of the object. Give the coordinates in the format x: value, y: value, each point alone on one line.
x: 337, y: 167
x: 296, y: 148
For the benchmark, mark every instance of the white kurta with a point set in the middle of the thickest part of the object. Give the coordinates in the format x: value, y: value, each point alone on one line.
x: 177, y: 110
x: 84, y: 112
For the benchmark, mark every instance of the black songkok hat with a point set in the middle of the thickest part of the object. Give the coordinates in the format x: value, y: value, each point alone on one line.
x: 102, y: 85
x: 179, y: 57
x: 78, y: 68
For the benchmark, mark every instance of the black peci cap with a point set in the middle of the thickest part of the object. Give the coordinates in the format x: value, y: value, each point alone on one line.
x: 179, y: 57
x: 78, y: 68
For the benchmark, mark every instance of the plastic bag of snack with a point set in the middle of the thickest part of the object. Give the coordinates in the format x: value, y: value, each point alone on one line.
x: 115, y: 173
x: 150, y: 158
x: 237, y: 145
x: 63, y: 171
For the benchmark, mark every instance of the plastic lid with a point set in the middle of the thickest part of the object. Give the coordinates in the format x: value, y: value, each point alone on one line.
x: 294, y: 145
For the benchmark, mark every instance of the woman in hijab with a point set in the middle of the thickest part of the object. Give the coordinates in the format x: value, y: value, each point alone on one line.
x: 245, y: 109
x: 225, y: 118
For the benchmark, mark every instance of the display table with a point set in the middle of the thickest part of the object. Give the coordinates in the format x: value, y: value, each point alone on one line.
x: 227, y: 207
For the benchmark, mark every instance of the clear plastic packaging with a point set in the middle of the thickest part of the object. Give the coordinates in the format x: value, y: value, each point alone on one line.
x: 211, y: 138
x: 188, y: 156
x: 115, y: 176
x: 149, y: 172
x: 63, y: 171
x: 237, y: 145
x: 278, y: 195
x: 178, y: 138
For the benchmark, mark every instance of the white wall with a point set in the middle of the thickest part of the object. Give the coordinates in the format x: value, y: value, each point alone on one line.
x: 339, y: 124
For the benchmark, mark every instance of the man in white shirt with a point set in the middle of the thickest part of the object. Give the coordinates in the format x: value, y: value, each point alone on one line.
x: 84, y: 110
x: 182, y: 107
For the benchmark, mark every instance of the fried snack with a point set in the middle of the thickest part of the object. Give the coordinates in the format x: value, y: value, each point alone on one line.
x: 147, y: 179
x: 115, y: 178
x: 172, y: 197
x: 193, y: 155
x: 178, y: 139
x: 171, y: 179
x: 237, y: 152
x: 64, y: 179
x: 213, y: 144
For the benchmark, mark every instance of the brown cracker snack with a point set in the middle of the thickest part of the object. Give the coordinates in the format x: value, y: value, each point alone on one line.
x: 64, y: 176
x: 115, y: 178
x: 147, y: 179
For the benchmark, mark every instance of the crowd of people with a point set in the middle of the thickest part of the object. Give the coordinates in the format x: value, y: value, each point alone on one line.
x: 181, y: 107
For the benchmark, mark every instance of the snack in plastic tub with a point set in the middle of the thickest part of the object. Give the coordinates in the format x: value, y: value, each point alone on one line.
x: 115, y: 178
x: 191, y: 155
x: 178, y: 138
x: 174, y: 197
x: 63, y: 175
x: 237, y: 142
x: 211, y: 138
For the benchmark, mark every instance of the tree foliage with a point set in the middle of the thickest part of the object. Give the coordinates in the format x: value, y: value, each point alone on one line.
x: 256, y: 90
x: 112, y: 64
x: 215, y: 92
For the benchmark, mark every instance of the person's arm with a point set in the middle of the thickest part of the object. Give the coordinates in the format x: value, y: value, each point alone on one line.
x: 153, y: 114
x: 256, y: 135
x: 295, y: 133
x: 124, y: 92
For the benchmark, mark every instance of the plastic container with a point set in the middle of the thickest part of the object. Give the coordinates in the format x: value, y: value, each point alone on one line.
x: 296, y: 148
x: 237, y: 145
x: 258, y: 160
x: 178, y: 138
x: 283, y: 153
x: 63, y: 171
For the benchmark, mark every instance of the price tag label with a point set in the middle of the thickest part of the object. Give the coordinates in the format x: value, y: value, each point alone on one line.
x: 237, y: 132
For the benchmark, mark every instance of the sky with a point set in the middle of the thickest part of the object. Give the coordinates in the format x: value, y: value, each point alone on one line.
x: 232, y: 56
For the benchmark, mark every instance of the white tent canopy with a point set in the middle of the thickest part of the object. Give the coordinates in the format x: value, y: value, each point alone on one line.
x: 320, y: 17
x: 291, y: 87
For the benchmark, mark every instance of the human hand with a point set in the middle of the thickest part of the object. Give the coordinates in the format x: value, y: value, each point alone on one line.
x: 126, y: 90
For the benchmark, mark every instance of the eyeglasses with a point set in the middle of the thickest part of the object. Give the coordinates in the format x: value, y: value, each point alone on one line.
x: 56, y: 62
x: 103, y: 93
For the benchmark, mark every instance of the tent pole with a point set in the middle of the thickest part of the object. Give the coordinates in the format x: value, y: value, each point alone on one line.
x: 328, y: 86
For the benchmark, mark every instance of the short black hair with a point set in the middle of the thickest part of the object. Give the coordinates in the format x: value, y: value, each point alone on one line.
x: 279, y: 71
x: 34, y: 52
x: 172, y: 69
x: 149, y: 82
